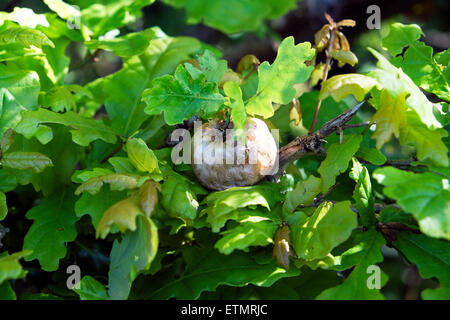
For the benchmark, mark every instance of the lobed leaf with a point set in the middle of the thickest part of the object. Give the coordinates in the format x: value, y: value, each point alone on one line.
x: 276, y: 81
x: 130, y: 256
x: 26, y: 160
x: 84, y: 130
x: 426, y: 198
x: 431, y: 256
x: 337, y: 160
x: 53, y: 226
x: 314, y: 237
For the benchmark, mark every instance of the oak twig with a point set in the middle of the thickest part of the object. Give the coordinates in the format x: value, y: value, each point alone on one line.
x: 324, y: 78
x: 312, y: 144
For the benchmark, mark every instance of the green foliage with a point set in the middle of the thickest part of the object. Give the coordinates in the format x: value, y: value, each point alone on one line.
x: 247, y: 15
x: 426, y: 198
x: 180, y: 97
x: 364, y: 253
x: 53, y: 225
x: 428, y: 71
x: 363, y: 196
x: 303, y: 194
x: 314, y: 237
x: 10, y: 266
x: 337, y: 160
x: 207, y: 269
x: 86, y: 171
x: 223, y: 205
x: 91, y: 289
x: 276, y: 81
x: 85, y: 130
x: 25, y: 36
x: 340, y: 86
x: 130, y: 256
x: 431, y: 256
x: 437, y: 294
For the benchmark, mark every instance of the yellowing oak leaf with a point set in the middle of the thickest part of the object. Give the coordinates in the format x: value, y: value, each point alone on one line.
x: 341, y: 86
x: 393, y: 118
x: 117, y: 181
x: 281, y: 249
x: 148, y: 196
x: 390, y: 118
x: 123, y: 214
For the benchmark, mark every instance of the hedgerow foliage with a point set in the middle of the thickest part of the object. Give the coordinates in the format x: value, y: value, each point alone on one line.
x: 86, y: 175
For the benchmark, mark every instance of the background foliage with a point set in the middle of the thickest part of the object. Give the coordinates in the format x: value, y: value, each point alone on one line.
x: 86, y: 176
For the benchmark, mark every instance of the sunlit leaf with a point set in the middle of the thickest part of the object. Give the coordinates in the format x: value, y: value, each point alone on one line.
x: 276, y: 80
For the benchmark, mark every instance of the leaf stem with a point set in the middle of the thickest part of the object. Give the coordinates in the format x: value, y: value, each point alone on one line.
x: 325, y: 76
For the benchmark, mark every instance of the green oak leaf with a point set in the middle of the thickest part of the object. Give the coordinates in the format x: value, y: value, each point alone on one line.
x: 400, y: 36
x: 122, y: 165
x: 344, y: 57
x: 131, y: 44
x: 343, y: 85
x: 212, y: 68
x: 337, y: 160
x: 426, y: 198
x: 122, y: 214
x: 142, y: 156
x: 19, y: 90
x: 276, y: 81
x: 436, y: 294
x: 165, y: 53
x: 314, y: 237
x: 53, y: 226
x: 431, y: 256
x: 116, y: 181
x: 3, y: 206
x: 371, y: 155
x: 238, y: 113
x: 207, y: 269
x: 418, y: 62
x: 100, y: 18
x: 10, y: 268
x: 303, y: 194
x: 25, y: 36
x: 398, y: 83
x: 91, y: 289
x: 130, y: 256
x: 365, y: 252
x: 84, y: 175
x: 121, y: 93
x: 363, y: 196
x: 178, y: 198
x: 180, y: 98
x: 250, y: 232
x: 247, y: 15
x: 222, y: 205
x: 429, y: 144
x: 393, y: 118
x: 58, y: 99
x: 6, y: 291
x: 26, y: 160
x: 96, y: 205
x: 84, y: 130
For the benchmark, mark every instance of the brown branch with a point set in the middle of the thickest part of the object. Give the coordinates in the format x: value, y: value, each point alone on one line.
x: 312, y: 144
